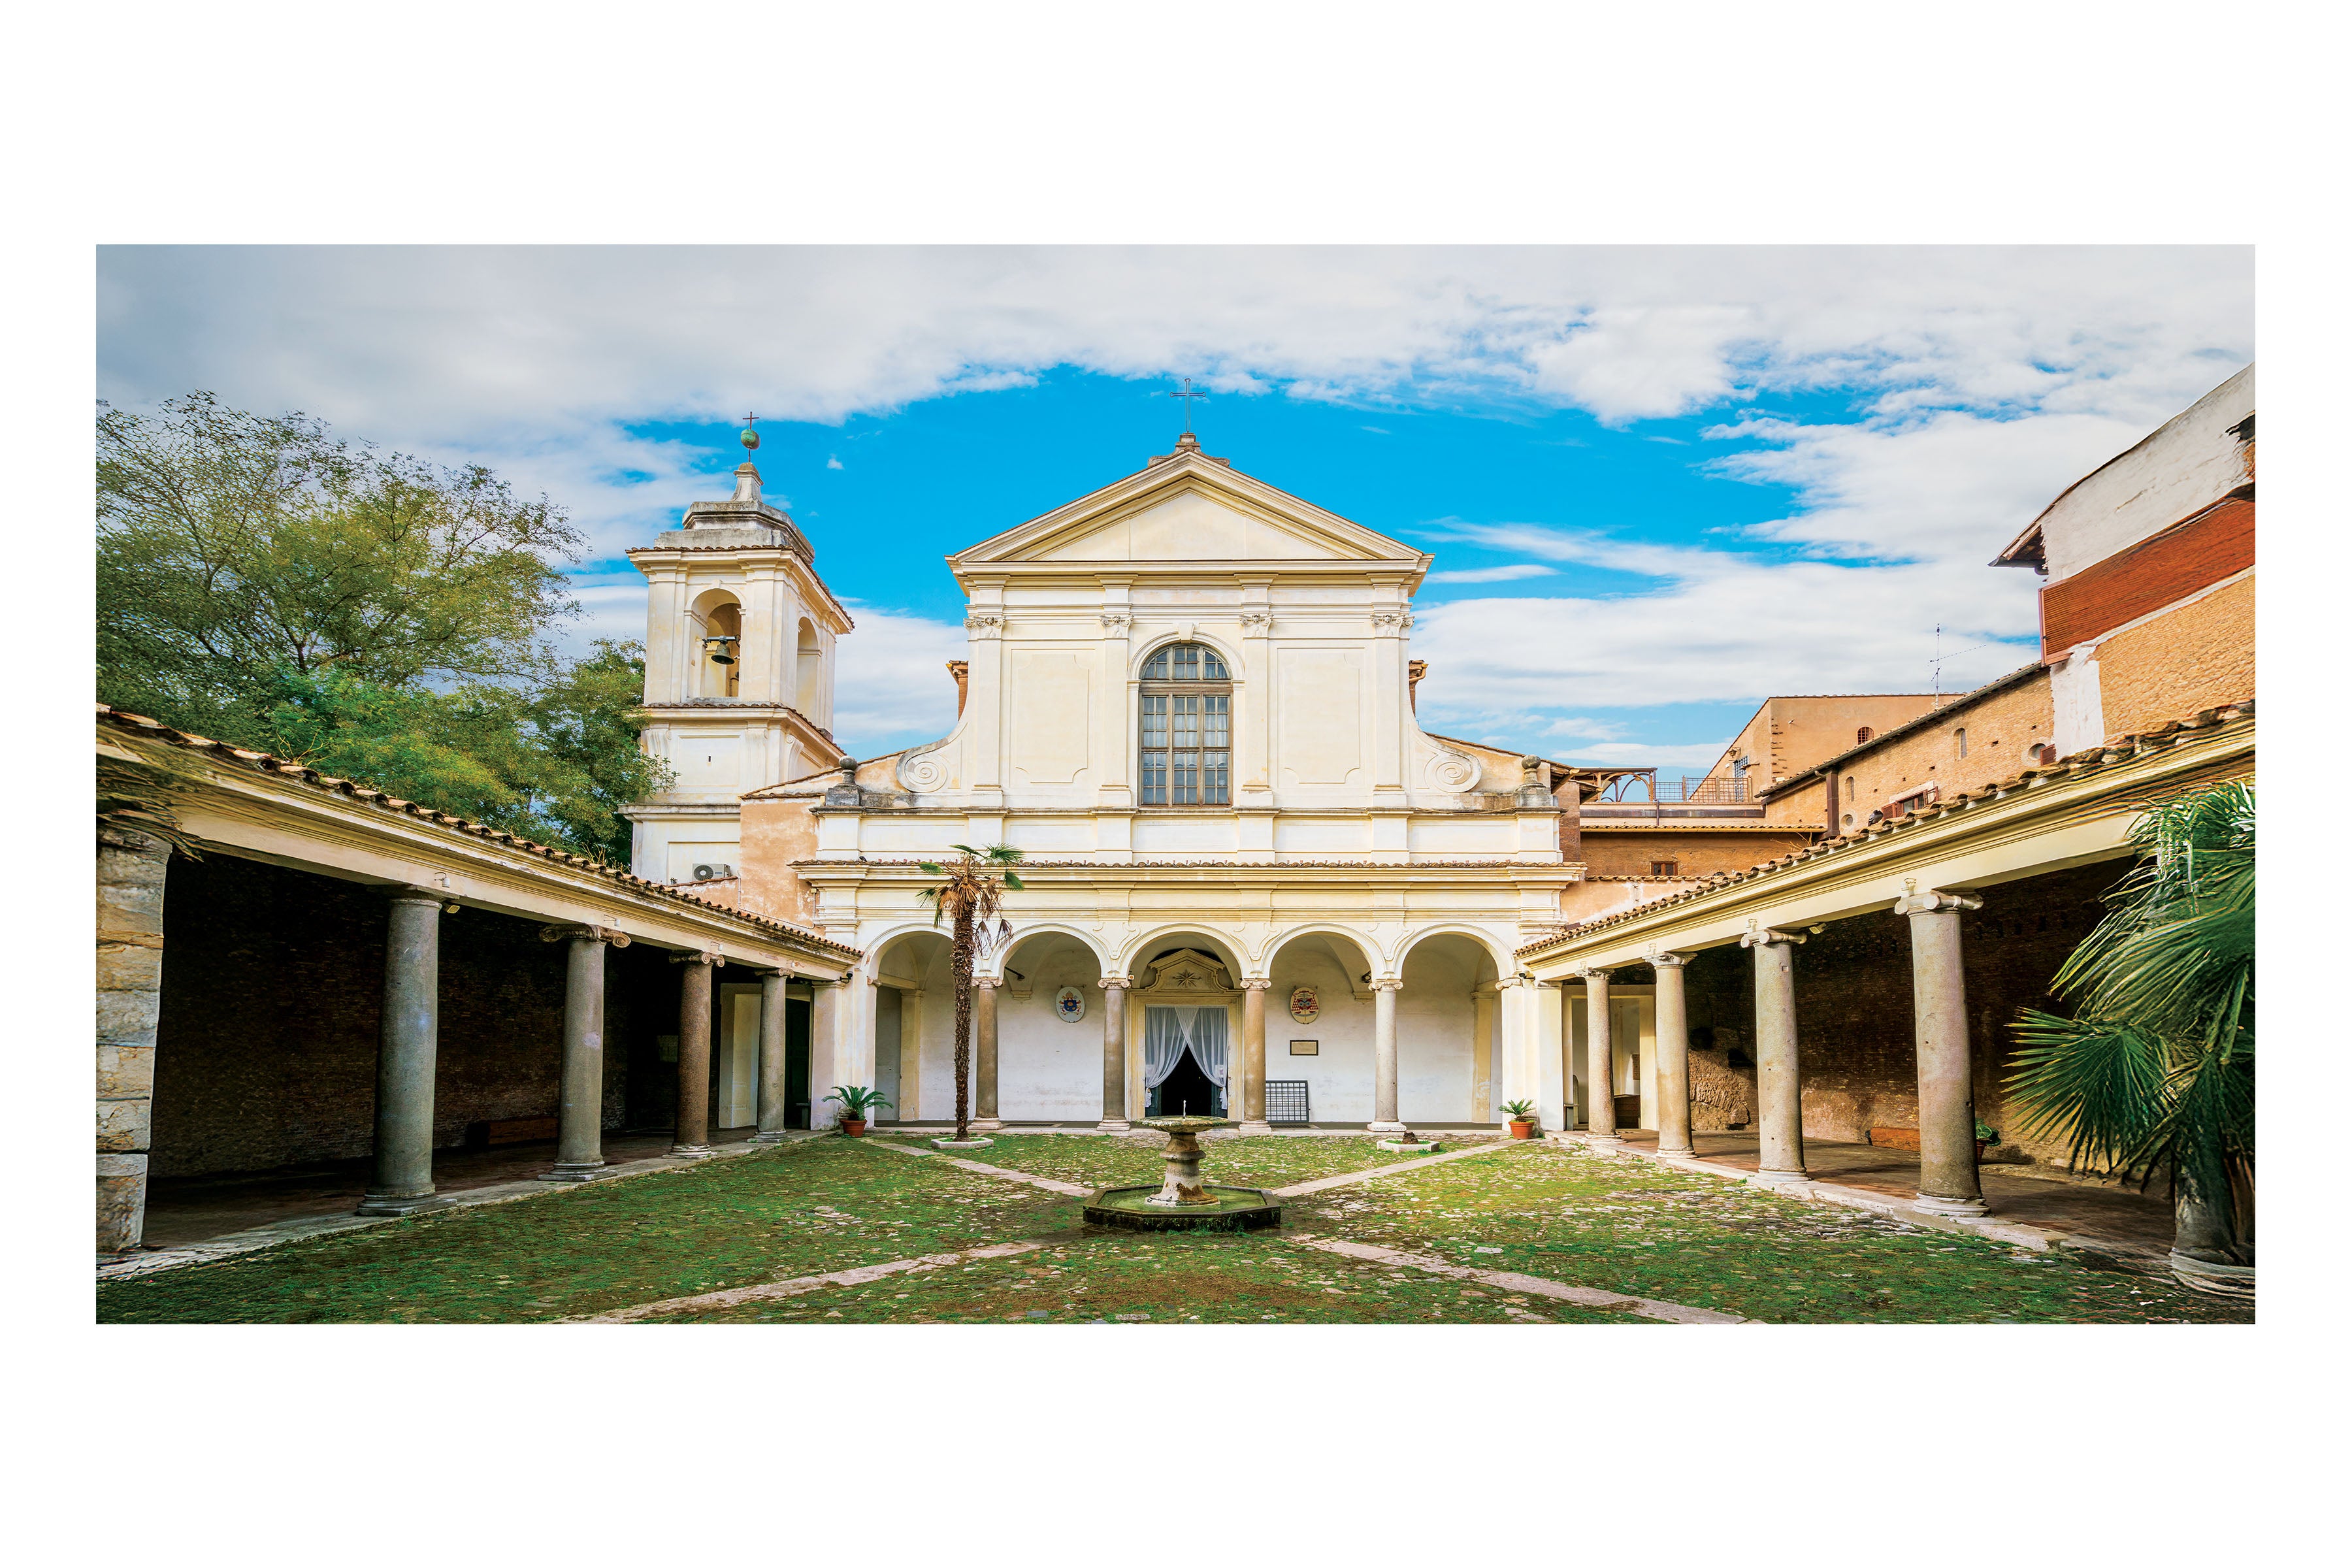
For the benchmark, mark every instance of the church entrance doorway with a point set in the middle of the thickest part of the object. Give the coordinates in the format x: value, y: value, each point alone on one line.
x: 1187, y: 1091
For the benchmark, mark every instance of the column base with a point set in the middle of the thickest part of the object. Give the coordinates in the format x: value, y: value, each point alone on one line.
x: 582, y: 1171
x: 1605, y: 1140
x: 1959, y: 1208
x: 775, y: 1137
x: 1114, y: 1124
x: 2213, y: 1278
x: 1684, y: 1152
x: 691, y: 1151
x: 1783, y: 1178
x: 985, y: 1124
x: 388, y: 1204
x: 1384, y: 1127
x: 1253, y: 1129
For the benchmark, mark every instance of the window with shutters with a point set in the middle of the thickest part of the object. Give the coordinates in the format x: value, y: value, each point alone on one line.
x: 1185, y: 748
x: 1662, y: 869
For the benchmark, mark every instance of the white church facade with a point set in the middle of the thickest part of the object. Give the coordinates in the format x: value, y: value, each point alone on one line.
x: 1253, y: 884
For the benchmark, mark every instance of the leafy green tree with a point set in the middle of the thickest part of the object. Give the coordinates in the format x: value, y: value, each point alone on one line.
x: 371, y: 615
x: 2155, y: 1073
x: 970, y: 899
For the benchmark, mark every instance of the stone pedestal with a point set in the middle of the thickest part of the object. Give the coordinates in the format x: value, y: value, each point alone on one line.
x: 1599, y: 1060
x: 776, y: 1110
x: 1939, y: 1007
x: 580, y: 1129
x: 131, y: 874
x: 693, y: 1136
x: 1114, y: 1116
x: 1674, y: 1057
x: 1384, y: 1057
x: 405, y: 1057
x: 984, y: 1054
x: 1779, y: 1100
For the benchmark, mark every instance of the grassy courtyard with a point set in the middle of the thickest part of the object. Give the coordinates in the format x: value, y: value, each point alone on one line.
x: 827, y: 1205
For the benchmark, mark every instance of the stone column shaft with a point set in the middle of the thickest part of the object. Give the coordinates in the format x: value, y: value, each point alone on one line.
x: 405, y: 1057
x: 131, y: 875
x: 1253, y: 1117
x: 1599, y: 1059
x: 1384, y: 1057
x: 1779, y: 1090
x: 1114, y: 990
x: 775, y: 1114
x: 984, y: 1054
x: 580, y: 1128
x: 1940, y: 1008
x: 693, y: 1136
x: 1674, y: 1055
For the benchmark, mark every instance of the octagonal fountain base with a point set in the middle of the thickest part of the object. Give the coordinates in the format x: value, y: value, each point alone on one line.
x: 1231, y: 1208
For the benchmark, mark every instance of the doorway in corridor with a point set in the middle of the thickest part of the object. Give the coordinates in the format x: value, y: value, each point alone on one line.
x: 1187, y: 1091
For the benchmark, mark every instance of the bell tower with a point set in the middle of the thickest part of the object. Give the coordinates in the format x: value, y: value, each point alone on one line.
x: 740, y: 639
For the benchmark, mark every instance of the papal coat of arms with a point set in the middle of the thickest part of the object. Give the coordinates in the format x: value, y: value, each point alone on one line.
x: 1069, y: 1003
x: 1304, y: 1008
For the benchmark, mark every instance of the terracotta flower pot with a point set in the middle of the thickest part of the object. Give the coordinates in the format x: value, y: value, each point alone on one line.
x: 851, y: 1128
x: 1523, y: 1128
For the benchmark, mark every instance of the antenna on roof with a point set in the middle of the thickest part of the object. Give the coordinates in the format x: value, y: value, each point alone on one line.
x: 1936, y: 665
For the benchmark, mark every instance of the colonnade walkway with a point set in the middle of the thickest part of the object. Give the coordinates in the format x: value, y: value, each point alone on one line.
x: 2110, y: 1219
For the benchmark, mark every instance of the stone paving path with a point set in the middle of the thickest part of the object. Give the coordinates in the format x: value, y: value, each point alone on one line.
x: 718, y: 1300
x: 1524, y: 1284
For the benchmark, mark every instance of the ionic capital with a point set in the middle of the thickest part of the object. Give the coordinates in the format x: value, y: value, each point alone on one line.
x: 1765, y: 936
x: 1388, y: 985
x: 1934, y: 901
x: 1666, y: 960
x: 716, y: 960
x: 1506, y: 982
x: 1115, y: 982
x: 1591, y: 975
x: 1255, y: 985
x: 584, y: 933
x: 991, y: 981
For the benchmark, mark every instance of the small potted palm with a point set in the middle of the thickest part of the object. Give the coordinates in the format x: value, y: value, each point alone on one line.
x: 1522, y: 1113
x: 854, y: 1103
x: 1986, y: 1136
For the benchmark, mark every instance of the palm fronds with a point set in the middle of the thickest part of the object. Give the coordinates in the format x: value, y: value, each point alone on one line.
x: 970, y: 898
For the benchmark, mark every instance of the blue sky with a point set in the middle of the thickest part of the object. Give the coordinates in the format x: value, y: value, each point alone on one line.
x: 1660, y: 484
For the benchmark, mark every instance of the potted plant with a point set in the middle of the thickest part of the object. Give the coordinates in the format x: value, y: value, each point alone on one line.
x: 854, y: 1103
x: 1986, y: 1136
x: 1522, y: 1113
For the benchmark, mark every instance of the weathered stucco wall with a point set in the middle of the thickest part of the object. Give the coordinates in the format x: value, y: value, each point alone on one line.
x: 1789, y: 734
x: 1695, y: 852
x: 273, y: 985
x: 2199, y: 656
x: 2001, y: 728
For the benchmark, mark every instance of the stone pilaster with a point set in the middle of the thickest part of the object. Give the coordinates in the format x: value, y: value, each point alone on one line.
x: 1114, y: 990
x: 1384, y: 1057
x: 775, y: 1112
x: 1780, y: 1114
x: 131, y: 874
x: 983, y: 1053
x: 405, y: 1057
x: 580, y: 1125
x: 1940, y: 1012
x: 1599, y: 1059
x: 1674, y: 1055
x: 692, y: 1140
x: 1253, y: 1097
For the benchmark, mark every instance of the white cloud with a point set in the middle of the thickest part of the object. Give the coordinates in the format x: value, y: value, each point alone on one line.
x: 1495, y: 573
x: 833, y: 462
x: 891, y: 688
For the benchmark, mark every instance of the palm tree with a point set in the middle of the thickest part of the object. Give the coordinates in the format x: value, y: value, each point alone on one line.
x: 2155, y: 1073
x: 975, y: 886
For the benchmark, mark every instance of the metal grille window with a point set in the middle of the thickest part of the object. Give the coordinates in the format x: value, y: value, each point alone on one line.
x: 1186, y: 741
x: 1286, y: 1101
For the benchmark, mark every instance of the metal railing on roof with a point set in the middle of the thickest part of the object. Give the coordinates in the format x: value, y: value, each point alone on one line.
x: 1643, y: 786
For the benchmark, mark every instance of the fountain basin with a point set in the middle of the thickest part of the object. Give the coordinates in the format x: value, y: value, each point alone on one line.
x: 1231, y: 1208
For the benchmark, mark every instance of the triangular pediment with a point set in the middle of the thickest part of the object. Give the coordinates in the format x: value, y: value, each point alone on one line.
x: 1189, y: 508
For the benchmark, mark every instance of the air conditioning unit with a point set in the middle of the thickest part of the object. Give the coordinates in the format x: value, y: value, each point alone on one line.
x: 710, y: 872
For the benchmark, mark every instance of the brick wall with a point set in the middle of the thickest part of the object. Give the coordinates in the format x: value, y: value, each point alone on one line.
x: 2001, y: 728
x: 1853, y: 1002
x: 2197, y: 553
x: 273, y: 985
x: 2199, y: 656
x: 1629, y: 852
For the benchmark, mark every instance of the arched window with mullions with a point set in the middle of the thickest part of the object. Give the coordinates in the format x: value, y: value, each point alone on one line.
x: 1186, y: 745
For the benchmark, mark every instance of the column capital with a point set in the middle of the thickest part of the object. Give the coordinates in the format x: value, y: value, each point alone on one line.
x: 1113, y: 982
x: 618, y: 938
x: 1765, y: 936
x: 1388, y: 985
x: 409, y: 893
x: 1666, y: 960
x: 1255, y: 985
x: 716, y: 960
x: 989, y: 982
x: 1506, y: 982
x: 1593, y: 973
x: 1934, y: 902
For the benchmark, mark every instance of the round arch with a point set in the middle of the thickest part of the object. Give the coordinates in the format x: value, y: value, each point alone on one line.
x: 997, y: 961
x: 1235, y: 667
x: 1505, y: 962
x: 1152, y: 942
x: 1375, y: 961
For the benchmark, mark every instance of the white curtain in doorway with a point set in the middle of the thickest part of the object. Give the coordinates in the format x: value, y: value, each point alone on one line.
x: 1209, y: 1043
x: 1163, y: 1044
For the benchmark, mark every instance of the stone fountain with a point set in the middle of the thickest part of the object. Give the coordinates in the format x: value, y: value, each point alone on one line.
x: 1182, y: 1201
